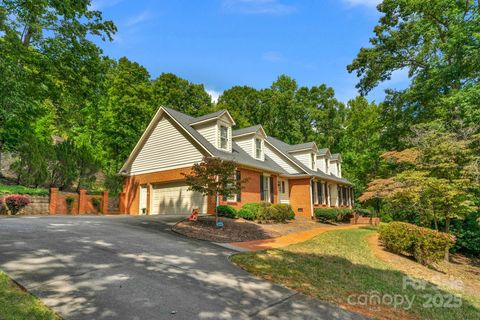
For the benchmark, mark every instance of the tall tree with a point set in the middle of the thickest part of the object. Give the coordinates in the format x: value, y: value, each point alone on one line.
x: 360, y: 142
x: 124, y: 113
x: 437, y: 43
x: 174, y: 92
x: 48, y: 62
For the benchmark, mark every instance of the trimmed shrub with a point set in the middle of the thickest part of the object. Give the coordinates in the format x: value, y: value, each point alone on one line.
x: 425, y: 245
x: 330, y: 215
x: 97, y: 204
x: 285, y: 212
x: 246, y: 214
x: 266, y: 213
x: 16, y: 202
x: 398, y: 237
x: 249, y: 211
x: 227, y: 211
x: 325, y: 214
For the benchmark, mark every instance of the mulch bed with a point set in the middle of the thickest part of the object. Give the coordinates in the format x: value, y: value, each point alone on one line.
x: 239, y: 230
x: 234, y: 230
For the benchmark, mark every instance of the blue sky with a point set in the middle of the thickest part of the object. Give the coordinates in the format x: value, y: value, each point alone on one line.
x: 222, y: 43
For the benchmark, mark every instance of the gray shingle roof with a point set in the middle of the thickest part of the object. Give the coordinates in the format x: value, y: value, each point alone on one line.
x: 335, y: 156
x: 212, y: 115
x: 323, y: 151
x: 284, y: 148
x: 238, y: 154
x: 300, y: 146
x: 241, y: 157
x: 248, y: 130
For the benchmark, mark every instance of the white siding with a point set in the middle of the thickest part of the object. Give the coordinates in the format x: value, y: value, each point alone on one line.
x: 246, y: 143
x: 333, y: 168
x: 209, y: 132
x: 321, y: 165
x: 305, y: 158
x: 165, y: 148
x: 280, y: 159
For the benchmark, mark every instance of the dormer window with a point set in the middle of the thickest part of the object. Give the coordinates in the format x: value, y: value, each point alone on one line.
x: 313, y: 158
x: 326, y: 166
x: 258, y: 148
x: 223, y: 137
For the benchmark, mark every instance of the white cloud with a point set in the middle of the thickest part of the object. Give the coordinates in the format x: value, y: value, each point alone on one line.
x: 365, y: 3
x: 139, y: 18
x: 273, y: 56
x: 214, y: 94
x: 274, y: 7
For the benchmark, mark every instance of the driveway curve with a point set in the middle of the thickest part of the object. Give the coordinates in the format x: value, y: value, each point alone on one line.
x: 120, y: 267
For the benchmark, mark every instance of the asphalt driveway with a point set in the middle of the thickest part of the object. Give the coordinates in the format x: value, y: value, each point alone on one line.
x: 137, y: 268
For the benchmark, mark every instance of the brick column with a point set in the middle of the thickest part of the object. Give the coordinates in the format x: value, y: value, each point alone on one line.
x: 82, y: 201
x: 121, y: 203
x: 149, y: 194
x: 105, y: 202
x: 52, y: 206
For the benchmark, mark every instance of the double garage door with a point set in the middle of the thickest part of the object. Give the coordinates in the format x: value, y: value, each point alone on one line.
x: 175, y: 198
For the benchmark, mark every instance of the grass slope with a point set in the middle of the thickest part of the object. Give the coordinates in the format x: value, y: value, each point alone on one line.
x: 18, y: 304
x: 16, y: 189
x: 339, y: 264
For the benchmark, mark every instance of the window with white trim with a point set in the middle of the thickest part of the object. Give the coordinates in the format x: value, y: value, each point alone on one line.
x: 223, y: 137
x: 258, y: 148
x: 313, y: 158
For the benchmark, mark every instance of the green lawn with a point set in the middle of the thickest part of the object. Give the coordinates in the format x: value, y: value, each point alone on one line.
x: 339, y: 267
x: 4, y: 189
x: 18, y: 304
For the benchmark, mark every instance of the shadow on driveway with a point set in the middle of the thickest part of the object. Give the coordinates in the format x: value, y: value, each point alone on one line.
x: 136, y: 268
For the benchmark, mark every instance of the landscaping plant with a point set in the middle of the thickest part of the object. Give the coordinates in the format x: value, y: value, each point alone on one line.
x: 227, y: 211
x: 285, y: 212
x: 214, y: 177
x: 16, y: 202
x: 425, y: 245
x: 329, y: 215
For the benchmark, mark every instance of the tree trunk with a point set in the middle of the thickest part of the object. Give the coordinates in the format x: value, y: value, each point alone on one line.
x: 447, y: 229
x: 216, y: 205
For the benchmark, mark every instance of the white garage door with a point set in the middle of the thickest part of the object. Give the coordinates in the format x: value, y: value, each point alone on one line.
x: 174, y: 198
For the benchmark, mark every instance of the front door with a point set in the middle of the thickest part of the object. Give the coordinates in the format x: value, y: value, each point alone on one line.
x: 143, y: 200
x: 283, y: 191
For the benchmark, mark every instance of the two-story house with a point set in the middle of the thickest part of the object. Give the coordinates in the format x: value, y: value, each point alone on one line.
x: 300, y: 175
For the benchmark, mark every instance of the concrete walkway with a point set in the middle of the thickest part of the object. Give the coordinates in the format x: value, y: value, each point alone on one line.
x: 286, y: 240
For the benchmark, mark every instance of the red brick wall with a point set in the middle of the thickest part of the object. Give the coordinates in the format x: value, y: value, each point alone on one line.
x: 129, y: 199
x: 82, y: 203
x: 251, y: 189
x: 300, y: 197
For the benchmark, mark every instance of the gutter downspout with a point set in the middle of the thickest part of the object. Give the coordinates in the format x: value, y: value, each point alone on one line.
x: 311, y: 198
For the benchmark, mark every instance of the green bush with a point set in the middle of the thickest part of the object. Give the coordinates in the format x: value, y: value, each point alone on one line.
x: 332, y: 214
x: 266, y: 213
x: 227, y: 211
x: 325, y: 214
x: 425, y: 245
x: 246, y: 214
x: 285, y: 212
x: 249, y: 211
x: 398, y: 237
